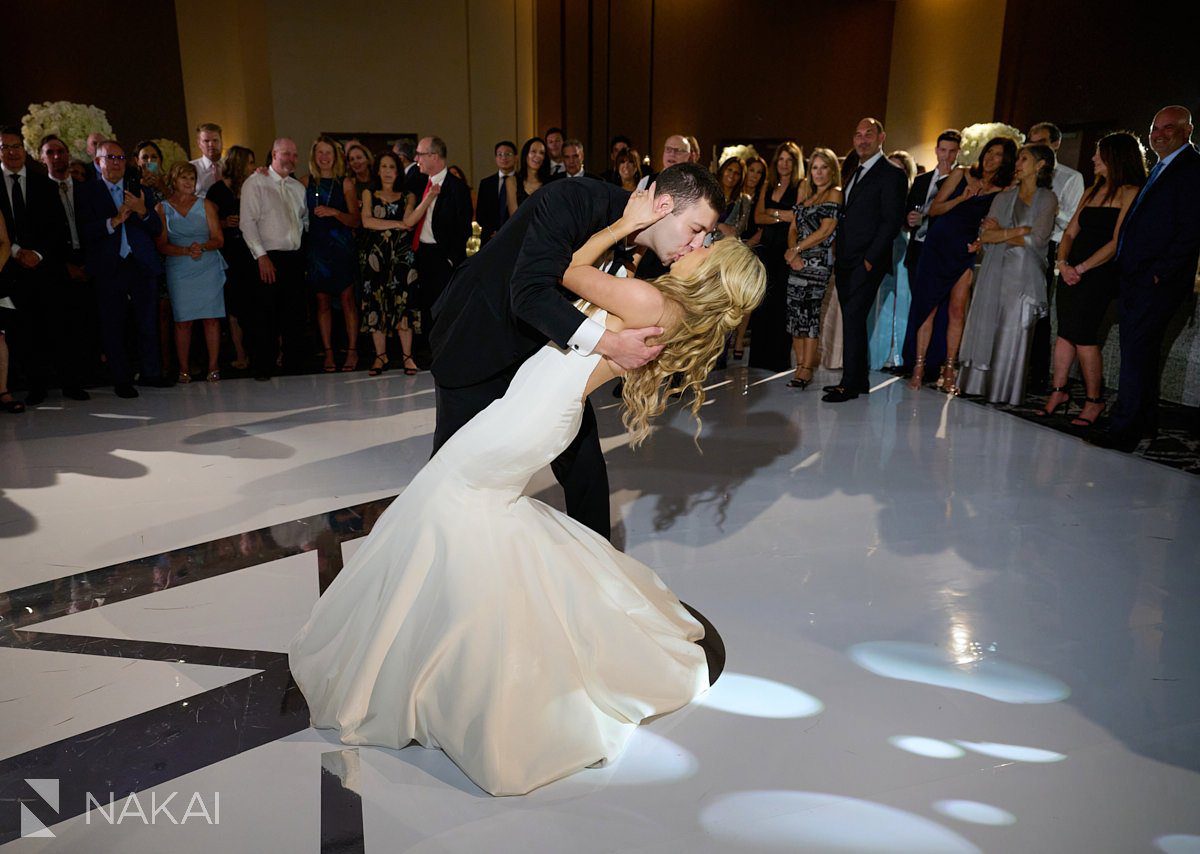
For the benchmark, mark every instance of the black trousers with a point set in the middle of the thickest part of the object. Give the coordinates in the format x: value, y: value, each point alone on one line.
x: 433, y: 274
x: 130, y: 289
x: 1039, y: 356
x: 580, y: 468
x: 277, y: 309
x: 856, y: 290
x: 50, y: 328
x: 1144, y: 312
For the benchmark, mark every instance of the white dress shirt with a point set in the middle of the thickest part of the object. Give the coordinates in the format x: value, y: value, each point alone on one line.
x: 205, y: 177
x: 427, y: 223
x: 23, y: 180
x: 274, y: 215
x: 557, y: 166
x: 866, y: 167
x: 930, y: 195
x: 66, y: 196
x: 1067, y: 184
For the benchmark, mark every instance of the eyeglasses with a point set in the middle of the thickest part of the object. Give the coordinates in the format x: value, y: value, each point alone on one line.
x: 422, y: 153
x: 670, y: 149
x: 119, y: 158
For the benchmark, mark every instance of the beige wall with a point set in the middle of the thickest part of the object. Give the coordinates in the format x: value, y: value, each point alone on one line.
x: 226, y: 76
x: 461, y: 69
x: 944, y: 69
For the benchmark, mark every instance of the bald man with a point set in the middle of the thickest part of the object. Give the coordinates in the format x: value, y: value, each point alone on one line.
x: 274, y: 217
x: 1157, y: 253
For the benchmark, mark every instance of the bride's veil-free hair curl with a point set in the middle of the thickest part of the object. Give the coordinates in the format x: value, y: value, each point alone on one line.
x: 726, y: 286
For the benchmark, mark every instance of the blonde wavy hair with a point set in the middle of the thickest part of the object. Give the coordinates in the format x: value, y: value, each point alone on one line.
x: 339, y: 158
x: 725, y: 287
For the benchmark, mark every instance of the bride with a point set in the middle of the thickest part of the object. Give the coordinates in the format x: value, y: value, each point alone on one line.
x: 485, y: 623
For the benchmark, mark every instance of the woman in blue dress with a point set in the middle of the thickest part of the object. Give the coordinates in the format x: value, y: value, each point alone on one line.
x: 332, y: 249
x: 191, y: 240
x: 947, y: 262
x: 888, y: 320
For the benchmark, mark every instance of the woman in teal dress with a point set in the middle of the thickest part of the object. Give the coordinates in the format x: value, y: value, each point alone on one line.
x: 191, y: 240
x: 332, y: 253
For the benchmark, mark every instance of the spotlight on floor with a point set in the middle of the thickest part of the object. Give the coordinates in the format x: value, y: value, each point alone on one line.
x: 989, y: 677
x: 1012, y: 752
x: 649, y: 758
x: 756, y: 697
x: 780, y: 820
x: 931, y: 747
x: 976, y: 813
x: 1178, y: 843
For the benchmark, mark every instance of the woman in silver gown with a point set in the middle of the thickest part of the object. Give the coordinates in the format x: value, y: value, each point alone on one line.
x: 1010, y: 290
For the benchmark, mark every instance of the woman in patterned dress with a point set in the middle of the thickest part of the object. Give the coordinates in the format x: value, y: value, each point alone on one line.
x: 386, y: 259
x: 809, y: 257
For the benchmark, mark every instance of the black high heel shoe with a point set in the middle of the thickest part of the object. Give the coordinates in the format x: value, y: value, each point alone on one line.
x: 1080, y: 421
x: 797, y: 382
x: 379, y: 365
x: 409, y: 372
x: 1058, y: 389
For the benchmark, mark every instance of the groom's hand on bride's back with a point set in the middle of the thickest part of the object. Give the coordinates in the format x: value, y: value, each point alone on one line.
x: 628, y: 348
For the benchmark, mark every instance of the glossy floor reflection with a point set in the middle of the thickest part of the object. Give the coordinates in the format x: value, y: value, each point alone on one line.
x: 946, y: 628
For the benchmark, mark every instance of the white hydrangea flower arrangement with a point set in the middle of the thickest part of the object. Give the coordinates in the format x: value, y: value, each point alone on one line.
x: 742, y: 151
x: 172, y: 153
x: 975, y: 137
x: 70, y: 122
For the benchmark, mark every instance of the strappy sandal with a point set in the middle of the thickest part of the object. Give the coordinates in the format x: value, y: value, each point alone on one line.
x: 796, y: 382
x: 184, y: 378
x: 380, y: 365
x: 918, y: 374
x: 948, y: 379
x: 409, y: 372
x: 349, y: 364
x: 10, y: 404
x: 214, y: 376
x: 330, y: 365
x: 1080, y: 421
x: 1050, y: 410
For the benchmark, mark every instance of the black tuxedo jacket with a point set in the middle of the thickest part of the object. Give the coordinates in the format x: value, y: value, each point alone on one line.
x: 1161, y: 234
x: 488, y: 205
x: 872, y: 216
x: 43, y: 228
x: 507, y: 300
x: 101, y: 250
x: 451, y: 217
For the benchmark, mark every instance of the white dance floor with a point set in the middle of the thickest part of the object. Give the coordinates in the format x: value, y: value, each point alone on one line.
x: 947, y: 629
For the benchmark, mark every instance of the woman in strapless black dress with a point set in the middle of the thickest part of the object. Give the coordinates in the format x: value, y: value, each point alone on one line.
x: 1087, y: 271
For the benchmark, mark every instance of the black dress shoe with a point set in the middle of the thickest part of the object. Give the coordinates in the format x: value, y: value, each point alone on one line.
x: 35, y: 396
x: 839, y: 395
x: 76, y: 393
x: 829, y: 388
x: 125, y: 390
x: 1124, y: 442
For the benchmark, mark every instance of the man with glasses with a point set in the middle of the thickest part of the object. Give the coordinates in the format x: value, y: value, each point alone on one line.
x: 119, y: 228
x: 36, y: 268
x: 491, y: 207
x: 507, y: 302
x: 440, y: 238
x: 676, y: 149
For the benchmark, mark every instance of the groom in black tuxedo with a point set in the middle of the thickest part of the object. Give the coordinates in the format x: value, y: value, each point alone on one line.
x: 507, y: 301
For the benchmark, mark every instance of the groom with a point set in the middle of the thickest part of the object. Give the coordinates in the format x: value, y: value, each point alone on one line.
x: 506, y: 302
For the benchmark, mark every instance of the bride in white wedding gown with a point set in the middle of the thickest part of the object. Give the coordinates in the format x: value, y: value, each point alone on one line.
x: 483, y: 622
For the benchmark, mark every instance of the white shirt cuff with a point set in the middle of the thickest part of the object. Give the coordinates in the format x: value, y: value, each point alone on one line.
x: 586, y: 337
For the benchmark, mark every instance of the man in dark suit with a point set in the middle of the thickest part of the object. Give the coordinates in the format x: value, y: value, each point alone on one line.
x: 73, y: 311
x: 37, y: 228
x: 573, y: 160
x: 119, y: 228
x: 440, y: 238
x: 1157, y: 252
x: 871, y: 218
x: 506, y: 302
x: 491, y: 206
x: 920, y: 197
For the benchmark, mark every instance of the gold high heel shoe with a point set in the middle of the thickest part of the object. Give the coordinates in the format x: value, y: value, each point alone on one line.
x: 918, y: 374
x: 948, y: 381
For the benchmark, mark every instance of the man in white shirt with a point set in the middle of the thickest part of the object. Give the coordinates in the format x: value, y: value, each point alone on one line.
x: 208, y: 165
x: 441, y: 235
x: 274, y: 217
x: 1068, y: 186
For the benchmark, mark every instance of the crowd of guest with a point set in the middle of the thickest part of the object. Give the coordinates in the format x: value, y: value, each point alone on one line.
x: 945, y: 276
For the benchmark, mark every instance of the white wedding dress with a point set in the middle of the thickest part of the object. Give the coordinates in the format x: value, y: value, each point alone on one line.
x: 483, y: 622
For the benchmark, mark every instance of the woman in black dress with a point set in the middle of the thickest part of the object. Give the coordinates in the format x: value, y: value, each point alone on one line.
x: 771, y: 345
x: 1087, y: 273
x: 242, y: 272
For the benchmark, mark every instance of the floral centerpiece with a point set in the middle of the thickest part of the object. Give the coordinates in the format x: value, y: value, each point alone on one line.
x: 172, y: 153
x: 70, y: 122
x: 975, y: 137
x: 743, y: 152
